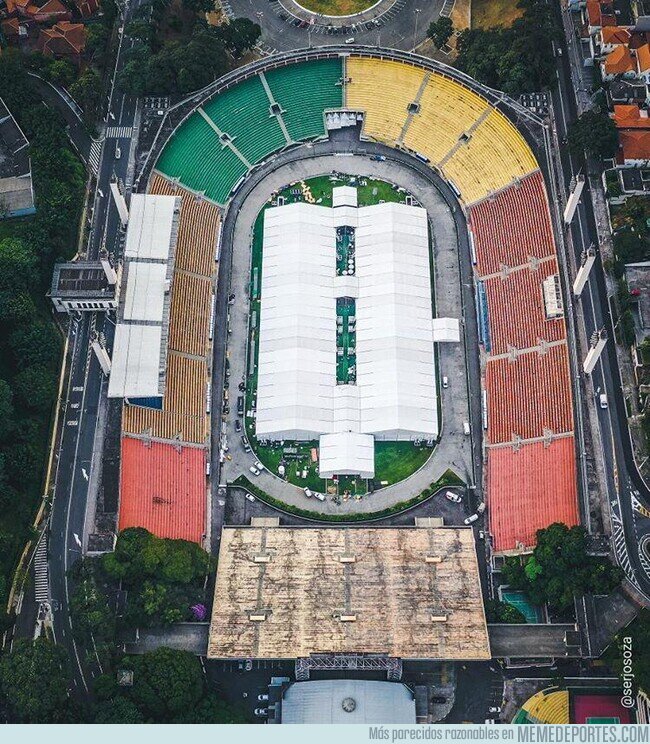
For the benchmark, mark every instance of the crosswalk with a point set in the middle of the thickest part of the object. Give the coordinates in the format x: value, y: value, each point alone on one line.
x: 41, y: 573
x: 94, y: 156
x: 118, y: 132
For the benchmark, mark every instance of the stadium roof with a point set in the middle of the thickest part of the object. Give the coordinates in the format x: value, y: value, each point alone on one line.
x: 348, y: 701
x: 140, y: 349
x: 287, y: 592
x: 395, y: 393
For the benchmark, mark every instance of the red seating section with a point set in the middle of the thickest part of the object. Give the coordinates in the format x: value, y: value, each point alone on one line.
x: 533, y: 483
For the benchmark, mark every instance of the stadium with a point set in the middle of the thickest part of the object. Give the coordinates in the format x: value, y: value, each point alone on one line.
x: 218, y: 161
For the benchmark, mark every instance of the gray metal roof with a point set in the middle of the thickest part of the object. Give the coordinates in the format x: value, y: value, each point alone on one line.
x: 365, y: 702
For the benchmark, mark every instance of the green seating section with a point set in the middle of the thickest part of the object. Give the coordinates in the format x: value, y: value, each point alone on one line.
x: 304, y: 91
x: 199, y: 159
x: 244, y: 112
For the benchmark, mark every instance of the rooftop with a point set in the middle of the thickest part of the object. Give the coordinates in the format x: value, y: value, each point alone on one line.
x: 16, y: 193
x: 619, y: 61
x: 80, y: 279
x: 287, y: 592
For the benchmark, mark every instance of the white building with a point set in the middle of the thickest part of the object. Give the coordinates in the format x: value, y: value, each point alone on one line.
x: 346, y: 288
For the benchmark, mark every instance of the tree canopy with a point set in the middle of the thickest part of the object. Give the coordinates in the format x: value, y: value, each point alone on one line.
x: 34, y: 682
x: 560, y: 569
x: 440, y: 31
x: 497, y: 611
x: 517, y: 59
x: 595, y: 133
x: 639, y: 634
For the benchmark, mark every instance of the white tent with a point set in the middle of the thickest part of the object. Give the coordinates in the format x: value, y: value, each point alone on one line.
x: 347, y: 453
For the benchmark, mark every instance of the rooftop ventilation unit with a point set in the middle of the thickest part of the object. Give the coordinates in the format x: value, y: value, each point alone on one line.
x: 347, y: 558
x: 433, y: 559
x: 266, y: 558
x: 257, y: 617
x: 438, y: 618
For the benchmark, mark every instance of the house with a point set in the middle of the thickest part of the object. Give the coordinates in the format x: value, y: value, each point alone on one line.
x: 51, y: 11
x: 634, y: 148
x: 87, y: 8
x: 64, y: 40
x: 619, y: 63
x: 626, y: 91
x: 630, y: 116
x: 610, y: 37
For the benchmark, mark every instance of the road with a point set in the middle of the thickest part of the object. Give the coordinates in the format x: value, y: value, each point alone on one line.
x: 622, y: 482
x: 86, y: 390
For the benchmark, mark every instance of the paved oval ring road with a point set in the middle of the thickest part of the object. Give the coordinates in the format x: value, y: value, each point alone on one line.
x: 307, y: 10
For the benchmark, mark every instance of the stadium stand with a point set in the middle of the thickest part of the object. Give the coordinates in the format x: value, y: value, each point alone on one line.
x: 183, y: 416
x: 190, y: 314
x: 530, y: 489
x: 547, y: 706
x: 198, y: 227
x: 513, y: 226
x: 494, y: 156
x: 244, y: 113
x: 304, y: 91
x: 196, y: 156
x: 162, y: 488
x: 399, y: 82
x: 447, y: 110
x: 529, y: 395
x: 523, y: 328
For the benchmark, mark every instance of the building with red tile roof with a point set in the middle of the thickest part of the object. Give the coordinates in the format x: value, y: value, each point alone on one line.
x: 615, y: 35
x: 634, y: 147
x: 599, y: 14
x: 63, y: 40
x: 618, y: 62
x: 87, y: 8
x: 630, y: 116
x: 163, y: 489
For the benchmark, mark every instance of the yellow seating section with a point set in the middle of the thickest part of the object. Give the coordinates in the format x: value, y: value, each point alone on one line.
x: 552, y: 707
x: 493, y: 157
x: 447, y: 110
x: 183, y: 414
x: 383, y: 89
x: 190, y: 314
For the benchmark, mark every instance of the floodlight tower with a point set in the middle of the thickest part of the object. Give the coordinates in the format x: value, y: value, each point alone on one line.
x: 596, y: 346
x: 586, y: 262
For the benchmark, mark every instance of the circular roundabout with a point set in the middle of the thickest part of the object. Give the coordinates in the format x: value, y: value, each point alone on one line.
x: 313, y: 125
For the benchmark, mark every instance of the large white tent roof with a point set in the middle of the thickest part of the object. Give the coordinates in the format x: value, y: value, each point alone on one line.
x: 395, y: 393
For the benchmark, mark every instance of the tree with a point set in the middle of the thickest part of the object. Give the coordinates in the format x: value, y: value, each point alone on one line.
x: 199, y: 6
x: 212, y: 709
x: 502, y: 612
x: 87, y: 91
x: 37, y: 343
x: 560, y: 568
x: 238, y: 36
x: 34, y: 682
x: 166, y: 683
x: 36, y: 387
x: 118, y: 710
x: 6, y: 409
x: 61, y: 72
x: 440, y: 31
x: 594, y: 133
x: 18, y: 266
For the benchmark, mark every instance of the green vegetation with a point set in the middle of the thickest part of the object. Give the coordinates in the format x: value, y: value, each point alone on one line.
x: 168, y: 687
x: 497, y: 611
x: 594, y: 133
x: 337, y: 7
x: 560, y: 569
x: 447, y: 480
x: 440, y: 31
x: 34, y: 683
x: 517, y: 59
x: 177, y: 51
x: 638, y: 633
x: 394, y: 461
x: 30, y: 347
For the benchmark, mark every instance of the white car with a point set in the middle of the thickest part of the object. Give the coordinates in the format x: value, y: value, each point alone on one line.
x: 261, y: 711
x: 308, y: 493
x: 350, y: 40
x: 258, y: 465
x: 250, y: 497
x: 451, y: 496
x: 254, y: 470
x: 471, y: 519
x: 262, y: 698
x: 494, y: 709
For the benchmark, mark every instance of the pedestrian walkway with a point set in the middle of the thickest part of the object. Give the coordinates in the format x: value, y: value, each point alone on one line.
x: 119, y: 132
x: 41, y: 572
x: 94, y: 157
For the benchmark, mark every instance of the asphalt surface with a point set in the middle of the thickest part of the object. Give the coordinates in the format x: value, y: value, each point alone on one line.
x: 622, y: 479
x: 403, y: 26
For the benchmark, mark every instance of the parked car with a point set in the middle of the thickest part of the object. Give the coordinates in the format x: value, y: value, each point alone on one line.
x: 471, y: 519
x: 603, y: 400
x: 254, y: 470
x: 258, y: 465
x: 445, y: 382
x: 261, y: 711
x: 319, y: 496
x: 480, y: 508
x: 240, y: 405
x: 350, y: 40
x: 308, y: 493
x: 262, y: 697
x: 451, y: 496
x: 494, y: 709
x: 438, y: 700
x: 237, y: 425
x: 250, y: 497
x: 246, y: 445
x: 481, y: 535
x: 378, y: 158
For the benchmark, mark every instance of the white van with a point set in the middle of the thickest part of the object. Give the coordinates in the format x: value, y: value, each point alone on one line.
x: 445, y: 382
x: 466, y: 428
x: 603, y: 400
